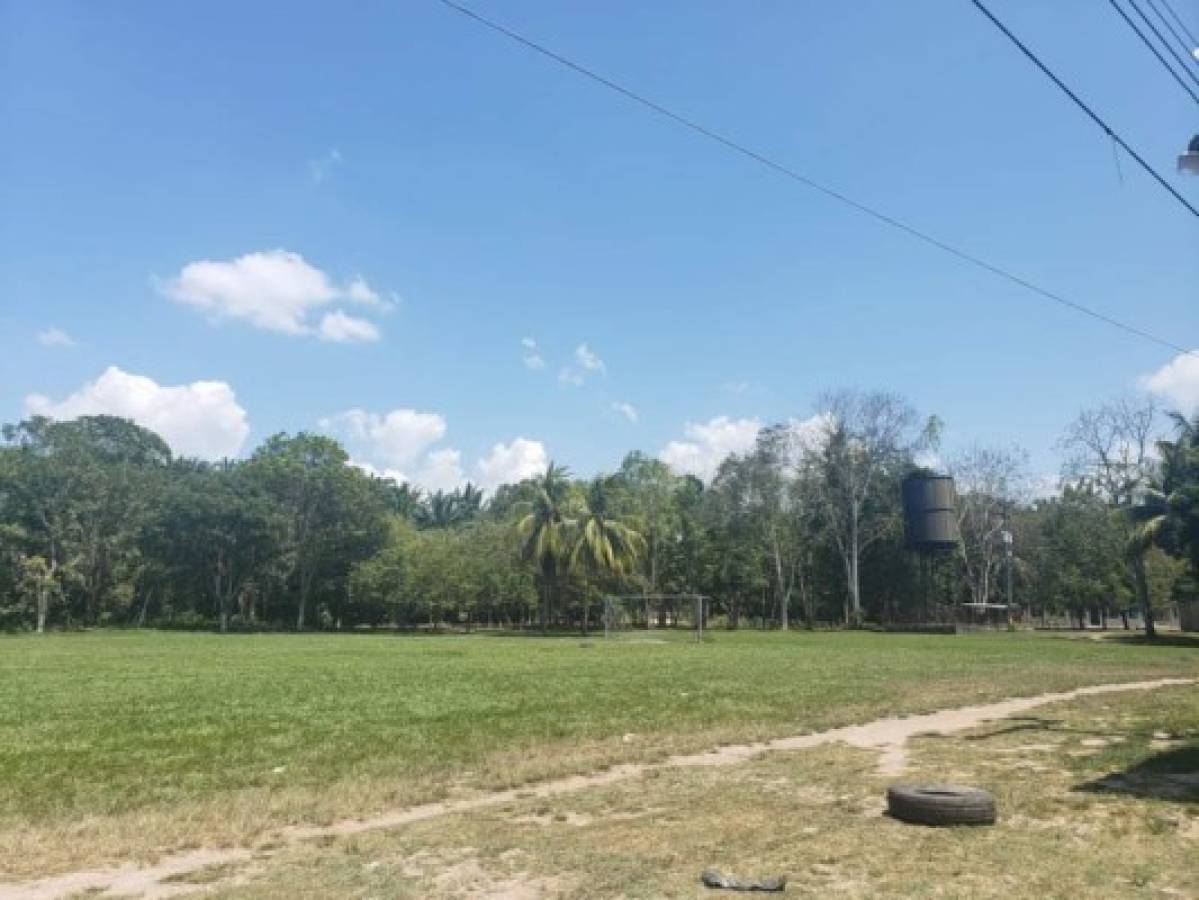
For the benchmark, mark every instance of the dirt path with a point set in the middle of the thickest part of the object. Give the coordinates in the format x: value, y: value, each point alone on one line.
x: 889, y: 736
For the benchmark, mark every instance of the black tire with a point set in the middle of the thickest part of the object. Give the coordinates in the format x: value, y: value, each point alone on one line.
x: 941, y: 804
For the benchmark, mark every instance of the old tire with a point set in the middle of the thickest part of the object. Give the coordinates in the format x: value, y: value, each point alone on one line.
x: 941, y: 804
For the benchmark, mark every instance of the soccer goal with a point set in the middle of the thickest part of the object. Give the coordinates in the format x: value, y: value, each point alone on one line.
x: 627, y: 614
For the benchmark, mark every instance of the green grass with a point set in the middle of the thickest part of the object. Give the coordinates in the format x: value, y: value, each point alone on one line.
x: 109, y: 723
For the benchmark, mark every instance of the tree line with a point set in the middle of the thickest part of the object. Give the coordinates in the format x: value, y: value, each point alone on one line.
x: 101, y: 525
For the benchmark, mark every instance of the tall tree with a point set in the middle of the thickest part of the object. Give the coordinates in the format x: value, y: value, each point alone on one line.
x: 1111, y: 448
x: 42, y: 479
x: 603, y: 546
x: 1166, y: 508
x: 644, y: 494
x: 864, y: 442
x: 740, y: 571
x: 544, y: 534
x: 216, y: 528
x: 1180, y: 487
x: 989, y: 481
x: 320, y: 497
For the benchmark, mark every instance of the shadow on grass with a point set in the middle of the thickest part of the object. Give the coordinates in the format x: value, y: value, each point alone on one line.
x: 1167, y: 775
x: 1162, y: 640
x: 1018, y: 724
x: 1040, y: 725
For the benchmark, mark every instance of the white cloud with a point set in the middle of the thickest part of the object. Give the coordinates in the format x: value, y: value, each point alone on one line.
x: 531, y: 355
x: 199, y: 419
x: 394, y: 474
x: 809, y: 436
x: 708, y: 443
x: 402, y: 444
x: 340, y: 328
x: 586, y: 363
x: 393, y: 440
x: 587, y: 360
x: 569, y: 376
x: 1177, y: 381
x: 361, y: 292
x: 319, y: 169
x: 55, y: 337
x: 275, y: 290
x: 628, y: 410
x: 509, y: 463
x: 442, y: 471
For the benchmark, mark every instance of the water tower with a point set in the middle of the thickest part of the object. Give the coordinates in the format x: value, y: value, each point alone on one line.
x: 929, y: 518
x: 930, y: 523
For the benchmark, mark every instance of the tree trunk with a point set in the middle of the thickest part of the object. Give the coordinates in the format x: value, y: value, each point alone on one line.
x: 222, y: 606
x: 141, y: 615
x: 305, y: 590
x: 43, y: 603
x: 854, y: 583
x: 805, y: 599
x: 1142, y: 586
x: 783, y: 593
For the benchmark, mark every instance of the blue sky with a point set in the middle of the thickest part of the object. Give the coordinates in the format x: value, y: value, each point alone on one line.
x: 395, y: 164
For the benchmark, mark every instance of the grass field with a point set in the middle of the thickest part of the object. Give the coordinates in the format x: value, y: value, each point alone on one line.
x: 118, y: 746
x: 816, y: 816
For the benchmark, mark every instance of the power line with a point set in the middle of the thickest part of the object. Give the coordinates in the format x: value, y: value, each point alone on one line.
x: 1188, y: 50
x: 1081, y: 105
x: 1181, y: 24
x: 1152, y: 49
x: 1157, y: 34
x: 783, y: 170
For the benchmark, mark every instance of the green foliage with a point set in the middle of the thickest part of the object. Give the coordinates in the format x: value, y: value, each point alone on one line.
x: 99, y: 525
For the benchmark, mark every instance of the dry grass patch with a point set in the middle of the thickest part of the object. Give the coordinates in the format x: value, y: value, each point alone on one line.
x: 818, y: 817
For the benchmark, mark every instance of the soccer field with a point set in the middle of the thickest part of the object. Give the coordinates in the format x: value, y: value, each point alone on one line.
x: 117, y: 746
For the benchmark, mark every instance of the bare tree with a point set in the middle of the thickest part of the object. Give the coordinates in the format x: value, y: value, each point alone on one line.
x: 988, y: 480
x: 1111, y: 447
x: 775, y: 465
x: 862, y: 443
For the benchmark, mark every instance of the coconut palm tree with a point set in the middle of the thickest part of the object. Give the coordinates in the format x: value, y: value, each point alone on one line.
x: 1164, y: 500
x: 1148, y: 521
x: 602, y: 545
x: 544, y: 533
x: 443, y: 509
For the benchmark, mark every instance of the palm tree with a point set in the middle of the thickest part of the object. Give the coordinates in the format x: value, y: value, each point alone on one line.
x: 1162, y: 498
x: 603, y: 546
x: 544, y: 530
x: 1148, y: 521
x: 443, y: 509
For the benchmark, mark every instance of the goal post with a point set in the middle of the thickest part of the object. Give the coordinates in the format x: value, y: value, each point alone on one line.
x: 626, y: 614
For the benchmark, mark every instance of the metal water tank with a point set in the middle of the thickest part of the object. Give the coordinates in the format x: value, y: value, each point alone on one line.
x: 930, y: 521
